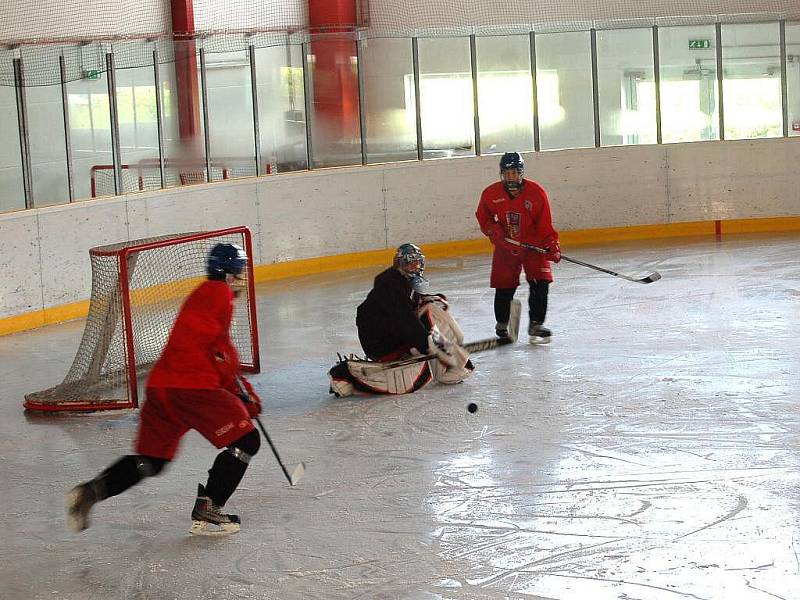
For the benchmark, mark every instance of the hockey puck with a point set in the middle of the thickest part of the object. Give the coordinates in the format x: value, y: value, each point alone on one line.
x: 472, y: 407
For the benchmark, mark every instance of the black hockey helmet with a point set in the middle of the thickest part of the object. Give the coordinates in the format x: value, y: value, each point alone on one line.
x: 508, y: 162
x: 512, y: 160
x: 226, y: 259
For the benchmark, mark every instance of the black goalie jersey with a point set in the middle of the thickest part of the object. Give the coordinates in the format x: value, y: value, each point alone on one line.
x: 387, y: 321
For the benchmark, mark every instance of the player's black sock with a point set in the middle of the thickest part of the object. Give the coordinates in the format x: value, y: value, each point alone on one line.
x: 537, y: 300
x: 502, y: 304
x: 125, y: 473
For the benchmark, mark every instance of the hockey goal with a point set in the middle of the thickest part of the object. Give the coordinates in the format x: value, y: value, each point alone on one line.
x: 137, y: 289
x: 147, y: 174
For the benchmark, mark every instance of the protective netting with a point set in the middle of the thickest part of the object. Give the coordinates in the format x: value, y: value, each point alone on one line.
x: 83, y: 32
x: 162, y: 272
x: 460, y: 17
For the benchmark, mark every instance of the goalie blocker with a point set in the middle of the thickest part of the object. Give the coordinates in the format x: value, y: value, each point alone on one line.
x: 448, y: 362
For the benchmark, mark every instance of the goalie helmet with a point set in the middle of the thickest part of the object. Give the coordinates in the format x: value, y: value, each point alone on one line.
x: 512, y: 161
x: 410, y: 260
x: 226, y: 259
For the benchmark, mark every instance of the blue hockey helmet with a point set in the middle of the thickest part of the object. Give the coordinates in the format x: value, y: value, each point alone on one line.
x: 226, y: 259
x: 410, y: 260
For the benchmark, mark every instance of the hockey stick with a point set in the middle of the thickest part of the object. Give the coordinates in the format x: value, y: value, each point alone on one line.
x: 654, y: 276
x: 477, y: 346
x: 300, y: 469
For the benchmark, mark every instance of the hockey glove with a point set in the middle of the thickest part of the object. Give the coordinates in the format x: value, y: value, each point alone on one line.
x: 496, y: 234
x: 248, y: 395
x: 553, y: 251
x: 442, y: 348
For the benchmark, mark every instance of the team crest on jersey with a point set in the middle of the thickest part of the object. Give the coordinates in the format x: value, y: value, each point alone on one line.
x: 513, y: 224
x: 528, y: 205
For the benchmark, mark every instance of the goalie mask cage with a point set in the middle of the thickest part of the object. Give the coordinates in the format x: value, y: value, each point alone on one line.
x: 138, y: 288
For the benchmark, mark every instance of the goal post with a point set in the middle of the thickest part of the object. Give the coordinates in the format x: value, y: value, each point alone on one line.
x: 138, y: 288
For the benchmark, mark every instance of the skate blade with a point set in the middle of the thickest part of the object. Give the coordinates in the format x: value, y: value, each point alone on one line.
x: 212, y: 529
x: 538, y: 341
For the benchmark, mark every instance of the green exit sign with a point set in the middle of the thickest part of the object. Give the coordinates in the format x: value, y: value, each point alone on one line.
x: 92, y: 74
x: 699, y: 44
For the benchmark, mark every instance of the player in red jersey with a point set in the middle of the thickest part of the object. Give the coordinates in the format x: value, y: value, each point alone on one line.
x: 518, y: 209
x: 192, y: 386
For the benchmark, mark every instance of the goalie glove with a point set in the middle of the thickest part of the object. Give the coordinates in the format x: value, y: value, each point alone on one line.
x: 439, y: 300
x: 443, y: 349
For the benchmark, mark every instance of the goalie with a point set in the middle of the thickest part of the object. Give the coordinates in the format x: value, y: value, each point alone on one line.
x: 396, y: 323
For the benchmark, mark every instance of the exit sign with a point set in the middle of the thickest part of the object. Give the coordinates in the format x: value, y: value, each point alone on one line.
x: 699, y: 44
x: 92, y: 74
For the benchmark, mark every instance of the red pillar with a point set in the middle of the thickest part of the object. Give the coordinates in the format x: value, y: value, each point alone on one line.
x: 187, y: 87
x: 335, y: 78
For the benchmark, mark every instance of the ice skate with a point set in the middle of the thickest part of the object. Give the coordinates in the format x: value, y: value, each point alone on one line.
x: 80, y: 500
x: 208, y: 518
x: 538, y: 334
x: 501, y: 329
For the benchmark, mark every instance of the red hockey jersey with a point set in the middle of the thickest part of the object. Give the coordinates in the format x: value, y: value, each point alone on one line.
x: 525, y: 218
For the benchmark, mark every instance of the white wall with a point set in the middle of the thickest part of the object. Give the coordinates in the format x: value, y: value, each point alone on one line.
x: 335, y: 211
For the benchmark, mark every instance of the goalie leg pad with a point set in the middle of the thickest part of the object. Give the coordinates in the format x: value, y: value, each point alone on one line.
x: 461, y: 368
x: 513, y: 320
x: 456, y: 374
x: 367, y: 376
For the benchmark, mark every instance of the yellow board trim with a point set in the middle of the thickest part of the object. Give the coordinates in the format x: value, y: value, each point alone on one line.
x: 372, y: 258
x: 769, y: 225
x: 48, y: 316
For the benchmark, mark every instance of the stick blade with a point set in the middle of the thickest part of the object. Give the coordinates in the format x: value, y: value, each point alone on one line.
x: 654, y: 276
x: 298, y: 473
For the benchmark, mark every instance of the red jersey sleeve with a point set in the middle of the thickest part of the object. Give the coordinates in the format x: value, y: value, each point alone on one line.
x: 484, y: 214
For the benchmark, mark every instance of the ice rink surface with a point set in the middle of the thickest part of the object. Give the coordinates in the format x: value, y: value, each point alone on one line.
x: 651, y: 451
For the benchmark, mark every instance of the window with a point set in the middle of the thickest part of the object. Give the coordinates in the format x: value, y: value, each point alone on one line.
x: 335, y: 122
x: 626, y: 87
x: 689, y: 102
x: 281, y: 108
x: 230, y: 115
x: 447, y: 105
x: 12, y: 195
x: 564, y: 90
x: 505, y: 93
x: 793, y: 76
x: 751, y: 86
x: 390, y: 111
x: 90, y: 136
x: 47, y: 145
